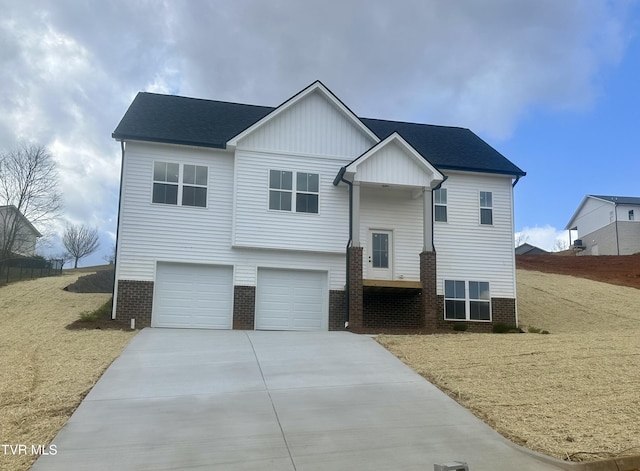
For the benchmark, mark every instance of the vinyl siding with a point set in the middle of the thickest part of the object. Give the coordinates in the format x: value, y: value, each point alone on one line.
x: 156, y: 232
x: 394, y: 210
x: 392, y: 165
x: 594, y: 214
x: 467, y: 250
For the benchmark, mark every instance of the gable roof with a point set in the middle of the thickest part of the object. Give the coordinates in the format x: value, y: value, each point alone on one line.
x: 207, y: 123
x: 15, y: 210
x: 618, y: 199
x: 607, y: 199
x: 528, y: 249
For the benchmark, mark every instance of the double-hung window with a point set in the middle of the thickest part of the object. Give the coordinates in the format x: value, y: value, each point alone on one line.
x: 283, y: 186
x: 182, y: 185
x: 440, y: 205
x: 467, y: 300
x: 631, y: 215
x: 486, y: 208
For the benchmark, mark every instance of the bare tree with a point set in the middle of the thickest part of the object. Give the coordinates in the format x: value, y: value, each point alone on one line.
x: 80, y: 241
x: 560, y: 245
x: 521, y: 238
x: 29, y: 196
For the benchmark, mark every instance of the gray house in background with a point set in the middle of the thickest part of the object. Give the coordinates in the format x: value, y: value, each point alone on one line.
x: 607, y: 225
x: 528, y: 249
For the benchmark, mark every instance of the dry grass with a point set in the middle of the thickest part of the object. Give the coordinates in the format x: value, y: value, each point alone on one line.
x: 45, y: 369
x: 573, y: 393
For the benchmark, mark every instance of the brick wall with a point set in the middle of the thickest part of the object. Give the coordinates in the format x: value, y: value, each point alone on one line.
x: 337, y: 309
x: 135, y: 301
x: 429, y: 293
x: 355, y: 287
x: 244, y: 307
x: 503, y: 311
x: 383, y: 309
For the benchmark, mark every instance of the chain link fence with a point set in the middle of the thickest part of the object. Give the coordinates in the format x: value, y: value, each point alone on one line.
x: 16, y: 269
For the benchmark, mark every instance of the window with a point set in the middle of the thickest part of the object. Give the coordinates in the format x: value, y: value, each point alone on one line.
x: 467, y: 300
x: 631, y: 215
x: 440, y: 205
x: 486, y: 208
x: 281, y: 191
x: 186, y: 188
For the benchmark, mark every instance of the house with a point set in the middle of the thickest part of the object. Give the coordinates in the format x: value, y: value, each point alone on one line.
x: 308, y: 217
x: 17, y: 234
x: 528, y: 249
x: 607, y: 225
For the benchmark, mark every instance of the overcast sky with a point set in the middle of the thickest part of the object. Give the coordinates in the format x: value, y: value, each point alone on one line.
x: 553, y: 85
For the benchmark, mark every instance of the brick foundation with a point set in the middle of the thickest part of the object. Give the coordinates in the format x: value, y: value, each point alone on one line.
x: 337, y: 309
x: 355, y: 288
x: 244, y: 307
x: 430, y: 310
x: 135, y: 301
x: 503, y: 311
x: 384, y: 309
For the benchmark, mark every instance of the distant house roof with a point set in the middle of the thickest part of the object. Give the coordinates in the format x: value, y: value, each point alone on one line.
x: 528, y: 249
x: 207, y: 123
x: 16, y: 211
x: 607, y: 199
x: 618, y: 199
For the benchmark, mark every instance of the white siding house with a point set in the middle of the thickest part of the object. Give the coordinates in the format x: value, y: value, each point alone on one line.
x: 307, y: 217
x: 607, y: 225
x: 17, y: 234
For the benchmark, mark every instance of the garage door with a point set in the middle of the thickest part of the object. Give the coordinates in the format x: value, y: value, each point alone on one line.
x: 195, y: 296
x: 291, y: 300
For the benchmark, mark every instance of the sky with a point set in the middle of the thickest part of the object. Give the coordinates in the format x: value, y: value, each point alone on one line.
x: 553, y: 85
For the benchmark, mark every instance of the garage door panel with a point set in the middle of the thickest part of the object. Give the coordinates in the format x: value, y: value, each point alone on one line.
x: 291, y: 300
x: 196, y: 296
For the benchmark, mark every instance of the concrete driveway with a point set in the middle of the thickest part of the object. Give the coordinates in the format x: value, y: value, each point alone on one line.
x: 245, y: 400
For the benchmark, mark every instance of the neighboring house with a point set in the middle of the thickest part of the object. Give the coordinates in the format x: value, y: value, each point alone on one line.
x: 607, y: 225
x: 307, y: 217
x: 528, y: 249
x: 17, y: 234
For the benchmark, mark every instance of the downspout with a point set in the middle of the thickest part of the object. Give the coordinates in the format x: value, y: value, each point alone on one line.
x: 115, y: 255
x: 340, y: 178
x: 433, y: 233
x: 513, y: 185
x: 615, y: 212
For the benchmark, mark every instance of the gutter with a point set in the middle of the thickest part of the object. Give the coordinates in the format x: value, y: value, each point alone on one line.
x: 336, y: 181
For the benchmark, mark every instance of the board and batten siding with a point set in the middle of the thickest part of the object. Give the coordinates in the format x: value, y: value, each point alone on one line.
x: 312, y: 126
x: 394, y: 166
x: 150, y: 232
x: 467, y: 250
x: 394, y: 210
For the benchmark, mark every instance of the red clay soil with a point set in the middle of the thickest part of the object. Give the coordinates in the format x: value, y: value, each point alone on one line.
x: 623, y: 270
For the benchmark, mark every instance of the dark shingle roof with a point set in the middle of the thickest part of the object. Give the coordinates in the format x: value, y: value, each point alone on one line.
x: 208, y: 123
x: 619, y: 199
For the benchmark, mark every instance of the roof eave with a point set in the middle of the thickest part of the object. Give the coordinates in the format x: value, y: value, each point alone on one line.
x: 128, y: 137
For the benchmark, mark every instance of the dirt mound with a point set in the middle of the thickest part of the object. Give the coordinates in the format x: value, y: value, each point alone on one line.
x: 99, y: 282
x: 623, y: 270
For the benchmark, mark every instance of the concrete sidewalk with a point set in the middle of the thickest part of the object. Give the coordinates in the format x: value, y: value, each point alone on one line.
x: 245, y: 400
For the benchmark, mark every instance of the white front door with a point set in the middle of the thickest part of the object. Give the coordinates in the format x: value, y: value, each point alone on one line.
x: 380, y: 262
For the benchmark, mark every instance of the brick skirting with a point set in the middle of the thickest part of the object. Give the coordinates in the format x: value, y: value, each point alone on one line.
x: 383, y: 309
x: 135, y: 301
x: 503, y: 311
x: 337, y: 309
x: 244, y: 307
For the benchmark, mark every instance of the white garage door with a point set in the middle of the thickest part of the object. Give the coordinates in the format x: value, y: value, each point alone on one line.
x: 291, y: 300
x: 196, y: 296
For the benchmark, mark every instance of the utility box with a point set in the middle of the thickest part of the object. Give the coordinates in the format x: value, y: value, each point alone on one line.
x: 451, y: 466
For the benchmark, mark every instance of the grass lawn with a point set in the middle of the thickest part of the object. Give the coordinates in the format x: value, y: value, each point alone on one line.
x: 46, y: 369
x: 573, y: 394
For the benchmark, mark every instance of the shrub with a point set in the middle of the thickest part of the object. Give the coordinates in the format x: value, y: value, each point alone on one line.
x: 533, y: 330
x: 459, y: 327
x: 103, y: 312
x: 506, y: 329
x: 545, y: 332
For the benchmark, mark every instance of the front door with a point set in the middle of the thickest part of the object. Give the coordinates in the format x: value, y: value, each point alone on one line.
x: 380, y: 255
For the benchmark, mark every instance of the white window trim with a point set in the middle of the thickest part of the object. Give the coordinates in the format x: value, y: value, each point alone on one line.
x: 180, y: 184
x: 294, y: 191
x: 446, y: 206
x: 480, y: 208
x: 467, y: 302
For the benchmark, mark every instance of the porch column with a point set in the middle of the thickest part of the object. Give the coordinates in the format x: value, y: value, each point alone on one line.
x: 429, y: 290
x: 427, y: 220
x: 355, y: 215
x: 356, y: 319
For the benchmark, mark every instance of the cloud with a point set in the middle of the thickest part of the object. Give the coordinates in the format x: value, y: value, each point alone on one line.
x: 70, y: 69
x: 546, y: 237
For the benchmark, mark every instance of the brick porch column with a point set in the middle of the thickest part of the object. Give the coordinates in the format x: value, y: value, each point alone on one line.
x: 429, y: 293
x: 355, y: 288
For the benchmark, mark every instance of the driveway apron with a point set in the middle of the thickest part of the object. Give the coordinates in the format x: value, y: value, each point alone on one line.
x: 250, y: 400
